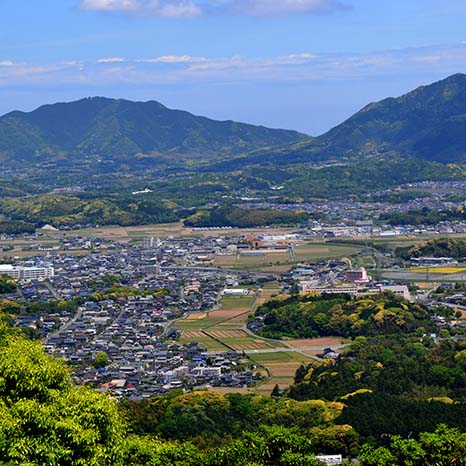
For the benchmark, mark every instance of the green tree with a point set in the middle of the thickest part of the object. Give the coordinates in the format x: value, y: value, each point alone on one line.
x: 45, y: 421
x: 101, y: 360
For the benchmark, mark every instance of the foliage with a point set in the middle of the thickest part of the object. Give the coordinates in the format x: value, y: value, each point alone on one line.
x: 313, y: 315
x: 101, y: 360
x: 427, y: 123
x: 102, y: 133
x: 243, y: 218
x: 443, y: 447
x: 44, y: 419
x: 71, y: 210
x: 442, y: 247
x: 7, y: 285
x: 393, y: 365
x: 212, y: 417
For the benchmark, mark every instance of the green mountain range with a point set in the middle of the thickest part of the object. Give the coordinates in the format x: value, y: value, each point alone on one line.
x: 428, y: 123
x: 101, y: 130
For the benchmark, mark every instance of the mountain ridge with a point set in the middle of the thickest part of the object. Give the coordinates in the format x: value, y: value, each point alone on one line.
x: 428, y: 122
x: 120, y: 128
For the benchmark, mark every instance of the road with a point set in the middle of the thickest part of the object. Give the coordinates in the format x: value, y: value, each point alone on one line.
x: 65, y: 327
x: 52, y: 290
x: 218, y: 269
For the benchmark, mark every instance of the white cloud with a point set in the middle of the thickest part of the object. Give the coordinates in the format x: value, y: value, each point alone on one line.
x: 186, y: 69
x: 111, y: 60
x: 169, y: 59
x: 192, y: 8
x: 110, y: 5
x: 178, y: 9
x: 283, y: 7
x: 162, y: 8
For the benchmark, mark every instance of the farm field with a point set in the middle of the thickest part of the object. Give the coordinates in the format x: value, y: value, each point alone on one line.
x: 279, y: 261
x: 224, y: 329
x: 165, y: 230
x: 232, y: 314
x: 281, y: 368
x: 23, y: 254
x: 442, y: 270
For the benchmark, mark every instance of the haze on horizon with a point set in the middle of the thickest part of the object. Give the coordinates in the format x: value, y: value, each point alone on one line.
x: 298, y: 64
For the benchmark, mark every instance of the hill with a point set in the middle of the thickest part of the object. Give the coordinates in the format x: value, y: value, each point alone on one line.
x: 428, y: 123
x: 101, y: 131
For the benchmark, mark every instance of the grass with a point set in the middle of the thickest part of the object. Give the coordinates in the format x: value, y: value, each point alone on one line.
x: 279, y: 261
x: 442, y: 270
x: 279, y: 356
x: 313, y: 251
x: 241, y: 303
x: 208, y: 342
x: 280, y: 366
x: 23, y: 254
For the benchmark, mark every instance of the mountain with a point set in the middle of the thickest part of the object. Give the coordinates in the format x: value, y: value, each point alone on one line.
x: 428, y: 123
x: 99, y: 129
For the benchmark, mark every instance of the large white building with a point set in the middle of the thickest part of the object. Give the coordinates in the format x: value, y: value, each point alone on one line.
x: 27, y: 273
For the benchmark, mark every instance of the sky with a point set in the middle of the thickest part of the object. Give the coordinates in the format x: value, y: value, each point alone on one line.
x: 298, y: 64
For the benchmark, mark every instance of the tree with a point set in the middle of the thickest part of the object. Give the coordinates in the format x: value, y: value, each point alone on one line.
x: 101, y: 360
x: 47, y: 421
x: 443, y: 447
x: 276, y: 391
x: 7, y: 285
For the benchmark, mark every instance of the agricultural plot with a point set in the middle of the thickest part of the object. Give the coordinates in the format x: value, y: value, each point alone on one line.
x: 280, y: 261
x: 281, y: 367
x: 203, y: 339
x: 441, y: 270
x: 447, y: 274
x: 313, y: 251
x: 165, y: 230
x: 239, y: 340
x: 224, y: 329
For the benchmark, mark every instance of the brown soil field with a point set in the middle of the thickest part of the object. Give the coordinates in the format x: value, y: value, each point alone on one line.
x: 197, y: 316
x: 318, y: 342
x: 192, y: 334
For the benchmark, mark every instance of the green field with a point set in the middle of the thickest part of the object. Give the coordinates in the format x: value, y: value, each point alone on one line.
x: 208, y: 342
x: 279, y: 261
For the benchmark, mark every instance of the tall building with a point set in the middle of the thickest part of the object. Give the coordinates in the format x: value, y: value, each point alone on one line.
x: 357, y: 276
x: 149, y: 242
x: 28, y: 273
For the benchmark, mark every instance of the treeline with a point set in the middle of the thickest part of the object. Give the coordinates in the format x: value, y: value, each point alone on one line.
x: 391, y: 385
x: 13, y: 227
x: 28, y: 213
x: 362, y: 176
x: 314, y: 315
x: 415, y: 367
x: 443, y: 247
x: 7, y: 285
x: 231, y: 216
x: 210, y: 419
x: 424, y: 217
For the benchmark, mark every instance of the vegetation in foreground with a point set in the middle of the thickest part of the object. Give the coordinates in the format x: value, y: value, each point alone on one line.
x: 382, y: 388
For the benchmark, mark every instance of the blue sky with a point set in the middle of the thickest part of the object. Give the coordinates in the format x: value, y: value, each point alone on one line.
x: 302, y: 64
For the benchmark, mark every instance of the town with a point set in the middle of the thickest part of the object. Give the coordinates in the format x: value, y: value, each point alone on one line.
x: 119, y: 312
